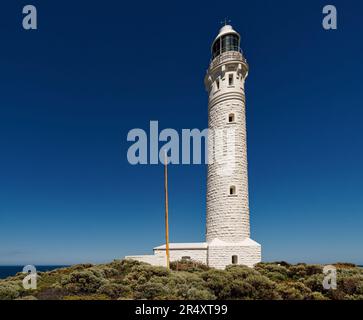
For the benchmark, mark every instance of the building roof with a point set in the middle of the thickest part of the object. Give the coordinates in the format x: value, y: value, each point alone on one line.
x: 204, y: 245
x: 246, y: 242
x: 225, y: 30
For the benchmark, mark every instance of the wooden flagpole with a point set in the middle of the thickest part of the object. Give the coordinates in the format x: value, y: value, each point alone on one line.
x: 166, y: 213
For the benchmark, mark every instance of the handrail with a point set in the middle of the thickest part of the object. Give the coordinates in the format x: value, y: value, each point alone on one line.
x: 227, y: 55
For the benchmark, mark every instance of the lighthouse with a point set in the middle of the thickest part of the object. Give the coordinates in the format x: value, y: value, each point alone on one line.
x: 227, y: 239
x: 228, y: 216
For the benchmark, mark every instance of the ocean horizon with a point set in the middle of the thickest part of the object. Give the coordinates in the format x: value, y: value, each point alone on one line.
x: 8, y: 271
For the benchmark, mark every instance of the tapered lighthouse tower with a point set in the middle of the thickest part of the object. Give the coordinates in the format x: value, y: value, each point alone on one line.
x: 228, y: 217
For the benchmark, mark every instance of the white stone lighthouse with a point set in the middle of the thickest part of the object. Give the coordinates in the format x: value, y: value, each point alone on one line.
x: 228, y: 218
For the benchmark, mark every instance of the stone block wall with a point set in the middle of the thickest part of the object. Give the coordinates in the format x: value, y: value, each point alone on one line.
x: 221, y: 256
x: 199, y: 255
x: 228, y: 215
x: 152, y: 259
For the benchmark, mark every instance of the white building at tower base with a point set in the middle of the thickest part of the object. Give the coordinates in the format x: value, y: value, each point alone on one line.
x: 217, y: 254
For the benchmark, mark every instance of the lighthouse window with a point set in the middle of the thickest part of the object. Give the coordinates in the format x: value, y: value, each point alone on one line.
x: 217, y: 84
x: 231, y: 118
x: 230, y: 80
x: 234, y: 259
x: 230, y: 43
x: 185, y: 257
x: 232, y: 190
x: 216, y: 48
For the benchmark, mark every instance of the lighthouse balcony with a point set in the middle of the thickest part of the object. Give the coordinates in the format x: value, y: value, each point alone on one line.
x: 226, y: 57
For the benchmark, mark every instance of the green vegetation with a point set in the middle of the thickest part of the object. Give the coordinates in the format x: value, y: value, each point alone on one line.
x: 127, y: 279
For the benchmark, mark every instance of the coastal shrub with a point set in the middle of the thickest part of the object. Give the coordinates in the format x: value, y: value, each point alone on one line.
x: 27, y: 298
x: 80, y: 267
x: 288, y: 293
x: 293, y: 291
x: 264, y: 288
x: 274, y: 272
x: 140, y: 274
x: 240, y: 271
x: 199, y: 294
x: 129, y: 279
x: 318, y: 296
x: 315, y: 282
x: 336, y: 294
x: 303, y: 270
x: 125, y: 266
x: 115, y: 290
x: 87, y: 297
x: 354, y: 297
x: 352, y: 285
x: 183, y: 285
x: 312, y: 269
x: 48, y: 279
x: 103, y: 271
x: 240, y: 289
x: 83, y: 282
x: 347, y: 272
x: 151, y: 291
x: 344, y: 265
x: 282, y: 263
x: 276, y: 276
x: 271, y: 267
x: 218, y: 281
x: 298, y: 272
x: 9, y: 291
x: 253, y: 286
x: 188, y: 265
x: 110, y: 272
x: 53, y: 293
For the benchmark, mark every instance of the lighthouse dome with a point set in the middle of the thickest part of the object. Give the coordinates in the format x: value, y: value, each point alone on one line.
x: 226, y: 29
x: 227, y: 40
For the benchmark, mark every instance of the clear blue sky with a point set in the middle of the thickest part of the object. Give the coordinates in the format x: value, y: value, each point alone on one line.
x: 71, y: 91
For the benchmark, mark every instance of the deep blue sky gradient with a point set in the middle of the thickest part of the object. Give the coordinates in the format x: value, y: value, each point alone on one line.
x: 71, y: 91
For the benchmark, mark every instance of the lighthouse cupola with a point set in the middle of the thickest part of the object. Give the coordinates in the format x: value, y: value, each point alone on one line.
x: 227, y: 40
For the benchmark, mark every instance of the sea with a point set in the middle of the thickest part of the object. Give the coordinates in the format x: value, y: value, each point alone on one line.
x: 7, y: 271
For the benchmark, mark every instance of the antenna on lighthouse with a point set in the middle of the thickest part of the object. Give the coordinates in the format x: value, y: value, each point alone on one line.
x: 225, y: 21
x: 166, y: 211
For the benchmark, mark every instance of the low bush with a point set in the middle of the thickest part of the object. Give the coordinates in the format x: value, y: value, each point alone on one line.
x: 264, y: 288
x: 218, y: 282
x: 275, y: 272
x: 185, y: 285
x: 83, y: 281
x: 129, y: 279
x: 115, y: 290
x: 294, y: 291
x: 140, y: 274
x: 151, y: 291
x: 51, y: 294
x: 188, y: 265
x: 87, y: 297
x: 352, y: 285
x: 9, y: 291
x: 314, y: 282
x: 240, y: 272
